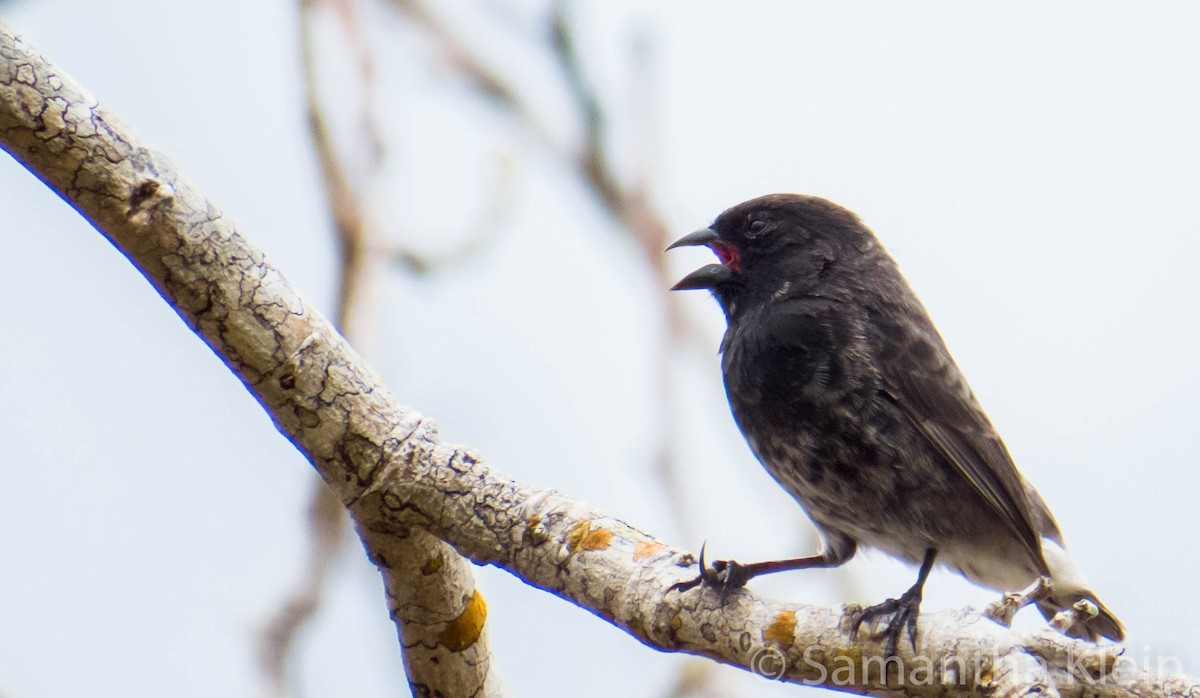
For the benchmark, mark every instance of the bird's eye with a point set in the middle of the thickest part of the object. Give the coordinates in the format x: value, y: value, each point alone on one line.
x: 757, y: 227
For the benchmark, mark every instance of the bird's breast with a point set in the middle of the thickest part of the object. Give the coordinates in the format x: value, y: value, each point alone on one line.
x: 817, y: 418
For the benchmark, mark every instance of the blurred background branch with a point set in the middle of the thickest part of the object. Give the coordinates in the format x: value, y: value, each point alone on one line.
x: 414, y: 595
x: 627, y: 199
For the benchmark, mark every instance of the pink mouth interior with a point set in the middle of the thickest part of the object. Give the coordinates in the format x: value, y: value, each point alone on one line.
x: 727, y: 255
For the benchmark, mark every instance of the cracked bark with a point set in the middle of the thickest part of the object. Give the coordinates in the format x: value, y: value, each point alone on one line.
x: 388, y: 466
x: 243, y: 308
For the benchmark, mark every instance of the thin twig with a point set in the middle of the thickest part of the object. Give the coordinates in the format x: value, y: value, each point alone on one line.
x: 593, y: 160
x: 487, y: 82
x: 327, y: 523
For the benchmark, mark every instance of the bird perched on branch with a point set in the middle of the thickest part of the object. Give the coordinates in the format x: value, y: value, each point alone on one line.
x: 847, y: 395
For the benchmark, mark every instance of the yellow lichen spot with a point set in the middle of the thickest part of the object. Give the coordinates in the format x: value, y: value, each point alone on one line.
x: 582, y: 537
x: 578, y: 532
x: 535, y: 531
x: 433, y: 565
x: 782, y: 629
x: 463, y: 631
x: 646, y: 548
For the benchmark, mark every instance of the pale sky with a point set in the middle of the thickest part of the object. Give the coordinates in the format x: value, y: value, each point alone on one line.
x: 1032, y: 168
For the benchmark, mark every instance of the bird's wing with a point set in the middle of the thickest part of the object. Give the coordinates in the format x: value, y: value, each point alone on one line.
x: 923, y: 380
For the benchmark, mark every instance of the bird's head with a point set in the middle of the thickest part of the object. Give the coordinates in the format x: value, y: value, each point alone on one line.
x: 776, y: 244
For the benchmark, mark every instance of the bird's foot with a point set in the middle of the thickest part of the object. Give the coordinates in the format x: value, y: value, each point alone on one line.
x: 723, y: 575
x: 1073, y: 621
x: 903, y: 612
x: 1003, y: 610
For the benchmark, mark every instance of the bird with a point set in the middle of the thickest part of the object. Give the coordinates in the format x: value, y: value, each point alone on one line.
x: 848, y: 396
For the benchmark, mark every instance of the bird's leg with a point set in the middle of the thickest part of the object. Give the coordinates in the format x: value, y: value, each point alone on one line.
x: 727, y: 575
x: 902, y: 610
x: 1003, y: 610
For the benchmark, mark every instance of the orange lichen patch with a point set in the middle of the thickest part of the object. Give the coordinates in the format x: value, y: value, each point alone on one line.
x: 463, y: 631
x: 646, y: 548
x: 599, y: 539
x: 432, y: 565
x: 782, y: 629
x: 582, y: 537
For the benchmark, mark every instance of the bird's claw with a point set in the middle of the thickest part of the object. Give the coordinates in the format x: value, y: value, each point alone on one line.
x: 1003, y: 610
x: 723, y: 575
x: 1073, y: 621
x: 903, y: 612
x: 688, y: 584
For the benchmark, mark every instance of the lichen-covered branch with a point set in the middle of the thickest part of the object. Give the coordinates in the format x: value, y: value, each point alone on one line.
x: 396, y: 476
x: 289, y: 357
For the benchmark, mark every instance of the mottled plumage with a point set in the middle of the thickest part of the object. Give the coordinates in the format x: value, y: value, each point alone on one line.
x: 848, y: 396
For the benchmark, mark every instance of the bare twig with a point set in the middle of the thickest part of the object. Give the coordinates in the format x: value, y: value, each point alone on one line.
x: 487, y: 82
x: 327, y: 524
x: 593, y: 161
x: 633, y: 208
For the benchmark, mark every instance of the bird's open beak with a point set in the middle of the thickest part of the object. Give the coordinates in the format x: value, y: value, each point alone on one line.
x: 703, y: 236
x: 709, y: 276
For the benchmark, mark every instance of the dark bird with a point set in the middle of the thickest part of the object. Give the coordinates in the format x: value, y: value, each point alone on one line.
x: 847, y: 395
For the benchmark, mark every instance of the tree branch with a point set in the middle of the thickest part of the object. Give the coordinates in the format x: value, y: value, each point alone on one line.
x: 226, y: 292
x: 391, y: 470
